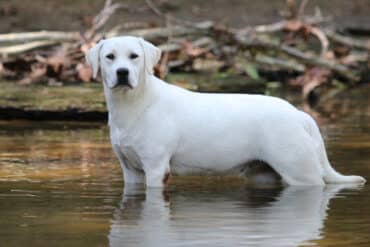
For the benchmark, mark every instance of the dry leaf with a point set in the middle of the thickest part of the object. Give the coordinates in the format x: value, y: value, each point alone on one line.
x: 84, y: 72
x: 311, y: 79
x: 58, y: 61
x: 192, y: 51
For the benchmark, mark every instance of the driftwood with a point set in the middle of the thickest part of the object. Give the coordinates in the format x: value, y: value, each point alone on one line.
x: 347, y: 41
x: 41, y: 35
x: 55, y: 56
x: 304, y: 58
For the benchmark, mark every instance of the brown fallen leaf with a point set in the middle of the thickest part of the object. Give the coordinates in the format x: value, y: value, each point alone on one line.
x: 58, y: 61
x: 311, y: 79
x: 84, y: 72
x: 192, y: 51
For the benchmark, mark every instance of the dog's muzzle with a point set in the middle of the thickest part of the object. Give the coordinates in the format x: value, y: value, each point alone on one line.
x: 122, y: 78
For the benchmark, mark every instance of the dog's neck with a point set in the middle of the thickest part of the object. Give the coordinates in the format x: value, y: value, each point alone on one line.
x: 126, y: 107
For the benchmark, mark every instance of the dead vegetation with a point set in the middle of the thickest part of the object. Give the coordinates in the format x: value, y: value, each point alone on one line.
x: 304, y: 50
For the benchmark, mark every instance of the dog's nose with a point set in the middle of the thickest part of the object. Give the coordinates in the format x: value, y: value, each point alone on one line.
x: 122, y: 73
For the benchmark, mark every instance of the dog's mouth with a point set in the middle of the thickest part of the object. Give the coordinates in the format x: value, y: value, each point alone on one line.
x: 123, y: 84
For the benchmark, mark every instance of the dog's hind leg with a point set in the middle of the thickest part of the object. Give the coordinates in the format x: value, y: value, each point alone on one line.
x: 330, y: 175
x: 295, y: 159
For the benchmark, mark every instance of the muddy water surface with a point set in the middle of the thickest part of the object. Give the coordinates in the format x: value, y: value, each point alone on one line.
x: 60, y: 185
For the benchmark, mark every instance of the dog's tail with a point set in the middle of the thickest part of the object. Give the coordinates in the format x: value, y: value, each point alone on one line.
x: 329, y: 174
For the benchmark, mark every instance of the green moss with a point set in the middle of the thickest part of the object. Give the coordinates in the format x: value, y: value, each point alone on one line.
x: 88, y: 97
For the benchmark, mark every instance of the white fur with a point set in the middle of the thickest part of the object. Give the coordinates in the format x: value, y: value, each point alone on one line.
x: 157, y: 128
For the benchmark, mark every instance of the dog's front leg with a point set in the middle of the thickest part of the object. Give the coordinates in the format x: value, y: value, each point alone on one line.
x: 131, y: 176
x: 157, y: 172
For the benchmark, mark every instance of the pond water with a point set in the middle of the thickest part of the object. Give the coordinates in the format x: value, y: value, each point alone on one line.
x: 60, y: 185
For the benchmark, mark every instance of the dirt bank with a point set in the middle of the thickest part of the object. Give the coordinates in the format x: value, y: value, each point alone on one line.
x: 20, y: 15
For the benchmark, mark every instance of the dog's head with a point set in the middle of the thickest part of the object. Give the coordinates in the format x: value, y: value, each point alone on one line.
x: 124, y: 61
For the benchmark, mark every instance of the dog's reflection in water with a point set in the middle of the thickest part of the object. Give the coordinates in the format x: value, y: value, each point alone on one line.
x: 254, y: 217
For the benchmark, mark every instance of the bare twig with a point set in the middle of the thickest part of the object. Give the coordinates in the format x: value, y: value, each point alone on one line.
x: 154, y: 8
x: 281, y: 25
x: 18, y: 49
x: 321, y: 36
x: 279, y: 63
x: 302, y: 8
x: 105, y: 14
x: 100, y: 19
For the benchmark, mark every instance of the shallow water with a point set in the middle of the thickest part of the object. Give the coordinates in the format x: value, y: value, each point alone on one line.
x: 60, y: 185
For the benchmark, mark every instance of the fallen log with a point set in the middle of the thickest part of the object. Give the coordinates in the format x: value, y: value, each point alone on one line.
x: 22, y: 48
x: 347, y: 41
x: 41, y: 35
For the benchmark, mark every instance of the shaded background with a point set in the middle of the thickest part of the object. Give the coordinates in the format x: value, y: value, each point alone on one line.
x: 18, y: 15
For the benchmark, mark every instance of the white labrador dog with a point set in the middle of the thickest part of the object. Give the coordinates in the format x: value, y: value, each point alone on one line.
x: 158, y: 129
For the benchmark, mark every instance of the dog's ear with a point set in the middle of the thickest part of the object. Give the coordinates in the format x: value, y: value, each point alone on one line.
x: 152, y: 55
x: 92, y: 58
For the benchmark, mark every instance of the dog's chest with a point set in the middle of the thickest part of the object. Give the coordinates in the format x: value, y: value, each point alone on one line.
x: 126, y: 148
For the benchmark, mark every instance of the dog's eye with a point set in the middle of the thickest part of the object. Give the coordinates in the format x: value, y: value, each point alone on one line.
x: 110, y: 56
x: 133, y: 55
